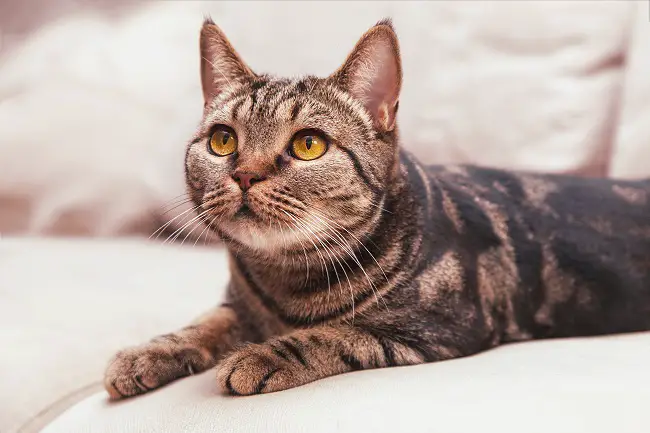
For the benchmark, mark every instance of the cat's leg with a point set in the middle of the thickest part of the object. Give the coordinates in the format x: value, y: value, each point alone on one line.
x: 307, y: 355
x: 193, y: 349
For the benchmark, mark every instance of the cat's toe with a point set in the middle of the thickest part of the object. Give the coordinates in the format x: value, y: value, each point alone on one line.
x: 141, y: 369
x: 255, y: 370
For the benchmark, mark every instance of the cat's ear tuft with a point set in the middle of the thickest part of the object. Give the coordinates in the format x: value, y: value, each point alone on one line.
x: 221, y: 66
x: 207, y: 19
x: 372, y: 73
x: 386, y: 22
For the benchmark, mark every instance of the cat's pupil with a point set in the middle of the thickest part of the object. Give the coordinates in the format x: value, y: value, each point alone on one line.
x: 225, y: 138
x: 308, y: 142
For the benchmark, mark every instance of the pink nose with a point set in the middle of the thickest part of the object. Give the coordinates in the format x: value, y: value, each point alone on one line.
x: 246, y: 179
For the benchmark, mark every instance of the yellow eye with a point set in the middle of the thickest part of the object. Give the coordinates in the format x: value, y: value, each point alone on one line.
x: 308, y: 145
x: 223, y: 142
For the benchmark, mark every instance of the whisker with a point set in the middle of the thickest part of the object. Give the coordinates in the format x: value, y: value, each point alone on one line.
x: 322, y: 259
x: 177, y: 206
x: 353, y: 256
x: 164, y: 226
x: 371, y: 203
x: 202, y: 221
x: 304, y: 250
x: 345, y: 246
x: 344, y: 273
x: 357, y: 240
x: 177, y: 198
x: 283, y: 237
x: 209, y: 232
x: 178, y: 232
x: 329, y: 252
x: 207, y: 226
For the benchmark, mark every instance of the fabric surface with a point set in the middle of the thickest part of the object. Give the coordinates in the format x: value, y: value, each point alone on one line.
x: 67, y: 306
x: 96, y: 105
x: 580, y: 386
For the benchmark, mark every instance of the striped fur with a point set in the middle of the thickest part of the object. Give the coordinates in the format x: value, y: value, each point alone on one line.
x: 364, y: 258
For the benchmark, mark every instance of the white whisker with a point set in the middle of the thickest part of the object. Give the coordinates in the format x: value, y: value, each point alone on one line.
x: 304, y: 250
x: 184, y: 202
x: 357, y: 240
x: 350, y: 251
x: 345, y: 246
x: 323, y: 262
x: 209, y: 232
x: 329, y: 252
x: 164, y: 226
x: 178, y: 232
x: 207, y: 226
x: 202, y: 221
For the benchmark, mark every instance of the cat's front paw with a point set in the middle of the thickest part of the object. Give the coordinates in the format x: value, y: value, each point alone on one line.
x: 262, y: 368
x: 143, y: 368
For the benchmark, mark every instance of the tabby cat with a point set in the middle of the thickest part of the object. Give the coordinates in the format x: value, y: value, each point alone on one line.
x: 347, y: 254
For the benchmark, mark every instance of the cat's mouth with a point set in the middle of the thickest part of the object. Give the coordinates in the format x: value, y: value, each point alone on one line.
x: 245, y: 212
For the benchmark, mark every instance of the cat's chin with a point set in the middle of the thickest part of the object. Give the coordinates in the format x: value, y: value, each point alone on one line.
x: 266, y: 239
x: 261, y: 235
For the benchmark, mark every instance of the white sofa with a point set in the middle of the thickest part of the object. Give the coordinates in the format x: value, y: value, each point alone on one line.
x: 95, y: 106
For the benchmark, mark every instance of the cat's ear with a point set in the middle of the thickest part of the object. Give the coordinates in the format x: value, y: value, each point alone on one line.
x: 221, y: 66
x: 372, y: 73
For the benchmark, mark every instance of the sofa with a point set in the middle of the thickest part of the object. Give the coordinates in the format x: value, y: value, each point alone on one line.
x: 97, y: 99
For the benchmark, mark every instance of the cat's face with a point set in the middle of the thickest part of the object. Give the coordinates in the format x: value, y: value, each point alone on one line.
x: 283, y: 164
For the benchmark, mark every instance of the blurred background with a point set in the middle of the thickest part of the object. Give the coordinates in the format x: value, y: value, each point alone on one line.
x: 98, y: 97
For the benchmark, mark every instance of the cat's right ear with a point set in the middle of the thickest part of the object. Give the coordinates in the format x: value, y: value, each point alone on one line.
x: 221, y: 66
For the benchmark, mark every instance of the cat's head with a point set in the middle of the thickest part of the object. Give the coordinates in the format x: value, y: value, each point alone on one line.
x: 283, y: 163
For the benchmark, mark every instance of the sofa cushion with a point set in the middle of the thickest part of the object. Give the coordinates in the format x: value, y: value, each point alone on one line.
x: 596, y: 385
x: 67, y: 306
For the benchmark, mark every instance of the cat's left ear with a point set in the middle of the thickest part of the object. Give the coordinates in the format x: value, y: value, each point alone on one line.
x: 221, y: 66
x: 372, y: 73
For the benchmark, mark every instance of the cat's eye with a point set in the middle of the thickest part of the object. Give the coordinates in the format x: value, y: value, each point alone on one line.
x: 223, y: 141
x: 308, y: 145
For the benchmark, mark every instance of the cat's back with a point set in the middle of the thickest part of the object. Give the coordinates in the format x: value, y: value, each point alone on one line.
x: 571, y: 255
x: 548, y: 203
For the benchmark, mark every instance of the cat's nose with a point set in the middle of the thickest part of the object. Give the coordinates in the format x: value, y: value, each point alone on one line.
x: 246, y: 179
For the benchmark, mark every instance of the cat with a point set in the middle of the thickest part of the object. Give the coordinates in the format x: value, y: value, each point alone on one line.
x: 347, y: 254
